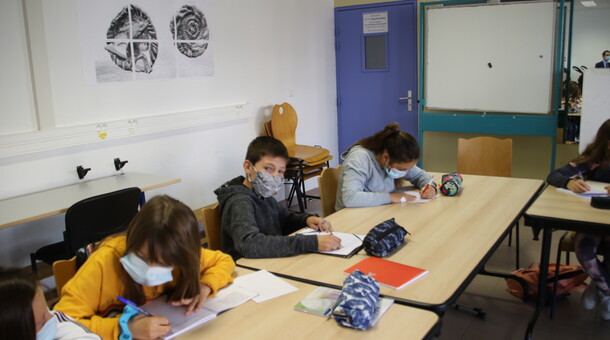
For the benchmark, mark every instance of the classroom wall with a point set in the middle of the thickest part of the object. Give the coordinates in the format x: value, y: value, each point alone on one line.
x: 590, y: 38
x: 287, y: 48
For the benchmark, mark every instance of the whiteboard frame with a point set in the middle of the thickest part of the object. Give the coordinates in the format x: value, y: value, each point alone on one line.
x: 511, y: 62
x: 484, y: 123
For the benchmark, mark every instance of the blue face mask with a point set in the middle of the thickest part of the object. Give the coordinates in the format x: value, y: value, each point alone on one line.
x: 394, y: 173
x: 144, y: 274
x: 48, y: 330
x: 607, y: 59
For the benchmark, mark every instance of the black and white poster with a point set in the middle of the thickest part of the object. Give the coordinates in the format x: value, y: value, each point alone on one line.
x: 123, y: 41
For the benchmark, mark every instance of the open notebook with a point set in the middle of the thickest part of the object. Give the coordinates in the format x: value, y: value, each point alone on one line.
x: 350, y: 243
x: 226, y: 298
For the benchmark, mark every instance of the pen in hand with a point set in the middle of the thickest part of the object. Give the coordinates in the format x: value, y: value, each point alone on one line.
x: 132, y: 304
x: 328, y: 228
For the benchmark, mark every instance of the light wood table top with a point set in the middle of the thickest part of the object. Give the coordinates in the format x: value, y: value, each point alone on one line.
x: 31, y: 207
x: 555, y: 204
x: 450, y: 237
x: 277, y: 319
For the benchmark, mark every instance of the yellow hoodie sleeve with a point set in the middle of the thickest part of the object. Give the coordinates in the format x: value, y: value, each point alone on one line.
x: 216, y: 269
x: 91, y: 293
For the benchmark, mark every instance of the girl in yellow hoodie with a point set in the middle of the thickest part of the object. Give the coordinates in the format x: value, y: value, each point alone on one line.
x: 160, y: 254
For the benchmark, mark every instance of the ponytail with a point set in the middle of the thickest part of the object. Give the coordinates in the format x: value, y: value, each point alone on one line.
x: 401, y: 146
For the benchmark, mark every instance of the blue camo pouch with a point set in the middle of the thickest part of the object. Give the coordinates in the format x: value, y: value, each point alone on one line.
x: 358, y: 301
x: 384, y: 238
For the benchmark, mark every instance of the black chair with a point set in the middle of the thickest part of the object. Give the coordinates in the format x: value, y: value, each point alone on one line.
x: 89, y: 221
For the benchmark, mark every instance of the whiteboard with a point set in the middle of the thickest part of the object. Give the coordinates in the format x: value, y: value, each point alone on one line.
x: 491, y: 58
x: 595, y: 104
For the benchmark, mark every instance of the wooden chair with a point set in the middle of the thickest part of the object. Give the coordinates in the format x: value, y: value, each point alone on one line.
x: 211, y: 225
x: 486, y: 156
x: 63, y: 270
x: 327, y: 183
x: 284, y: 122
x: 306, y: 161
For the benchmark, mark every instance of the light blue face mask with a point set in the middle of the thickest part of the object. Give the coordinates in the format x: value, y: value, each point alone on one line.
x: 144, y: 274
x: 607, y: 59
x: 48, y: 330
x: 394, y: 173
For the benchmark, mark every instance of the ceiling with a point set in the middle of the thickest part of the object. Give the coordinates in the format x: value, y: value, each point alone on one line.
x: 600, y: 4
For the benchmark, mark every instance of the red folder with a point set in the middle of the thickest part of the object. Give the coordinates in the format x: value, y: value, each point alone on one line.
x: 388, y: 273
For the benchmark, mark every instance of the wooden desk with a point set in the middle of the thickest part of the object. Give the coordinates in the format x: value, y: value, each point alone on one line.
x: 277, y: 319
x: 558, y: 210
x: 451, y: 237
x: 31, y: 207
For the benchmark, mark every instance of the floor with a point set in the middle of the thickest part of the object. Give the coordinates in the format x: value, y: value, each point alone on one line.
x: 507, y: 316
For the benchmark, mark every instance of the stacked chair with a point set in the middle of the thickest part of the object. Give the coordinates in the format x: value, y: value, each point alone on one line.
x: 305, y: 161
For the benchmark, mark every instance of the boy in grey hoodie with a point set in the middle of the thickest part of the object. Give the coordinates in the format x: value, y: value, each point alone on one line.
x: 253, y: 223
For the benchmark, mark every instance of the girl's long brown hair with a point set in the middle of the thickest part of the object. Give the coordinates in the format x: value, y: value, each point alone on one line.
x: 401, y: 146
x: 17, y: 291
x: 598, y: 151
x: 170, y: 232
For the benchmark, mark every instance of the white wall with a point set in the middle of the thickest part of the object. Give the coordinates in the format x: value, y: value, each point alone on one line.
x: 591, y: 36
x: 277, y: 47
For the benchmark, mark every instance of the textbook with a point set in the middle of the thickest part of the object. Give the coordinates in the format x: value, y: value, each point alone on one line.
x: 226, y: 298
x: 388, y: 273
x: 350, y: 243
x: 322, y: 300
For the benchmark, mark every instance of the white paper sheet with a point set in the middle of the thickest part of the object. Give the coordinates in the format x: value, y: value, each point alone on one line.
x: 597, y: 189
x: 267, y: 285
x: 349, y: 242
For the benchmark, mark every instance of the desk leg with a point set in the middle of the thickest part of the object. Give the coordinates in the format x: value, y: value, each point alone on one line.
x: 544, y: 268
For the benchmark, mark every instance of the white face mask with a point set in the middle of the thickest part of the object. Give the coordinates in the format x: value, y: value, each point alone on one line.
x: 144, y: 274
x: 265, y: 184
x: 394, y: 173
x: 48, y: 330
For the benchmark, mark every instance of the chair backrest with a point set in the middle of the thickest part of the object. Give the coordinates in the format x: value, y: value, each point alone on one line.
x: 284, y: 122
x: 211, y: 226
x: 63, y: 270
x: 94, y: 218
x: 485, y: 156
x: 327, y: 183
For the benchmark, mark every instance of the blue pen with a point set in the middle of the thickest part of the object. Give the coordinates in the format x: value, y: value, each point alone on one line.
x: 132, y: 304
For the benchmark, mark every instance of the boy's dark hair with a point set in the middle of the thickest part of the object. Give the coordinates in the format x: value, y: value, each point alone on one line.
x: 265, y: 146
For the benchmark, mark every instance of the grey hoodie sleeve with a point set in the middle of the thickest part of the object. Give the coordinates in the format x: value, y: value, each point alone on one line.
x: 356, y: 172
x: 418, y: 177
x: 240, y: 224
x: 291, y: 221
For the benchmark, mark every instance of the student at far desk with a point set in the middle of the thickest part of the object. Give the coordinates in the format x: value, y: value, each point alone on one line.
x: 375, y: 167
x: 593, y: 164
x: 161, y: 254
x: 253, y: 223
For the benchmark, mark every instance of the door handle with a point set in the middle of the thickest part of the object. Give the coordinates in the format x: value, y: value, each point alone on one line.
x: 409, y: 100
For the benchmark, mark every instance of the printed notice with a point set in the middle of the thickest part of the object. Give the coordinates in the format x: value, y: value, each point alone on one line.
x: 375, y: 22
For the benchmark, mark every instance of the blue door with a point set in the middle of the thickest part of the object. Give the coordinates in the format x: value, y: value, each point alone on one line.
x: 376, y: 69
